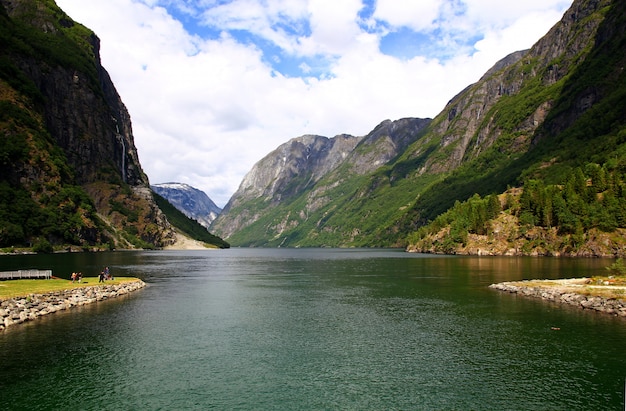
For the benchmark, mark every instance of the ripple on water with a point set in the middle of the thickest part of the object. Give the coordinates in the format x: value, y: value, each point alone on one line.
x: 320, y: 332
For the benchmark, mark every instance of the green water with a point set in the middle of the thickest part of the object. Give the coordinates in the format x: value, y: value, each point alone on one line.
x: 314, y: 330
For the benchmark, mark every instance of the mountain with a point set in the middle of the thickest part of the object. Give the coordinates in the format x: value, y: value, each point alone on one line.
x: 69, y: 171
x: 538, y: 113
x: 192, y: 202
x: 307, y: 179
x: 190, y: 234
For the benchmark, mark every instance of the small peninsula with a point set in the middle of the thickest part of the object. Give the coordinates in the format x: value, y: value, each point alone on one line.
x: 19, y: 307
x: 602, y: 294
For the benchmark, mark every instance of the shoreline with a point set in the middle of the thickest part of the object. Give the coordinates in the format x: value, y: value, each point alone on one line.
x: 183, y: 242
x: 18, y: 310
x: 577, y: 292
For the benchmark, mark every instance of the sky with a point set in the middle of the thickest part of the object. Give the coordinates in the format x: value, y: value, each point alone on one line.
x: 213, y: 86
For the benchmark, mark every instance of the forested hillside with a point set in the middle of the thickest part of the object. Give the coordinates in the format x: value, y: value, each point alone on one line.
x: 585, y: 215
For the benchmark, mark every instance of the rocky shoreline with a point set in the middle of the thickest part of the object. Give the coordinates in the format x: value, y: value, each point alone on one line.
x: 575, y: 292
x: 21, y: 309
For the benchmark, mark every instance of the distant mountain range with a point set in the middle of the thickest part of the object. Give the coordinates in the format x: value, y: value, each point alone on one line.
x: 192, y: 202
x: 537, y: 114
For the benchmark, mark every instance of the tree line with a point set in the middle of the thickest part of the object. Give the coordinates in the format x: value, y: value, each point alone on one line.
x: 592, y: 196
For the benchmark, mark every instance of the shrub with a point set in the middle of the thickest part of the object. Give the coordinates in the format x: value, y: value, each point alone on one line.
x: 43, y: 246
x: 617, y: 268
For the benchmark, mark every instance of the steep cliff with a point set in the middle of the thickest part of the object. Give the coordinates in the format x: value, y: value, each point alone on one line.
x: 281, y: 176
x: 74, y: 136
x: 536, y: 113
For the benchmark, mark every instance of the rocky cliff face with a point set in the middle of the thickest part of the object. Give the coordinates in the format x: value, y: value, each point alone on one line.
x: 471, y: 122
x: 82, y: 110
x: 294, y: 166
x: 283, y: 174
x: 384, y: 143
x: 57, y: 63
x: 192, y: 202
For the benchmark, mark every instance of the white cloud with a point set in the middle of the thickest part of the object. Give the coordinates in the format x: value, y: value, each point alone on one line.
x: 333, y: 25
x: 273, y: 20
x: 418, y: 15
x: 204, y: 110
x: 498, y: 12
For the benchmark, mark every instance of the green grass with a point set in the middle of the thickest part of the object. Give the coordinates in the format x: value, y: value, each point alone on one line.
x: 23, y: 288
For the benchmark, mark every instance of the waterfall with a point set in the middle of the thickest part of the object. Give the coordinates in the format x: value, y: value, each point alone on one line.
x: 121, y: 138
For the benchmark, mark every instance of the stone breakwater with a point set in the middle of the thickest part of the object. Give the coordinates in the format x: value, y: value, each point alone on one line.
x: 18, y: 310
x: 571, y: 293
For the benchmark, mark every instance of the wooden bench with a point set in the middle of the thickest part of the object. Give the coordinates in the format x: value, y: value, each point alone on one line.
x: 21, y: 274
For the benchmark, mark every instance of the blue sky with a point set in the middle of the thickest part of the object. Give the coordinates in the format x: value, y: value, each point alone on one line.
x: 439, y: 40
x: 212, y: 86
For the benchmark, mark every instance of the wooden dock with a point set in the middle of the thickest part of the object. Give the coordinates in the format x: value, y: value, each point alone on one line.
x: 22, y: 274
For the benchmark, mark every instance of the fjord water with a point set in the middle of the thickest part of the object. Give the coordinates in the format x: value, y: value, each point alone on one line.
x: 314, y: 329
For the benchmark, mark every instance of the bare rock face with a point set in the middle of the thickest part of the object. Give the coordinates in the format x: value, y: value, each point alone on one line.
x: 385, y: 142
x: 284, y: 173
x: 83, y: 111
x: 307, y: 158
x: 94, y: 130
